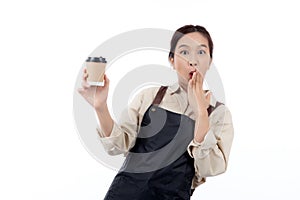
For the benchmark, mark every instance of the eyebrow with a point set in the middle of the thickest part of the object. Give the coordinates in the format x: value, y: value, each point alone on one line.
x: 201, y: 45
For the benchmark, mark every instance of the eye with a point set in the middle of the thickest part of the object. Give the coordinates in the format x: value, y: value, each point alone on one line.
x: 184, y: 52
x: 201, y: 52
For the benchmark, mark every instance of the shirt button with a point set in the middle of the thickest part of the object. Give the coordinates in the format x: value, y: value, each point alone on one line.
x: 153, y: 109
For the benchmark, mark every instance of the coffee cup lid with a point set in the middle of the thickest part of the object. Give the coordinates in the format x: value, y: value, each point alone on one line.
x: 96, y: 59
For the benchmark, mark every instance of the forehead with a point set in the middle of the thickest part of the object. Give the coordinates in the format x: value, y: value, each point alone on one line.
x: 193, y: 39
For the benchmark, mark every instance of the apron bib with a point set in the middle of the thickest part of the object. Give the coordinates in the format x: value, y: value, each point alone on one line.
x: 158, y: 166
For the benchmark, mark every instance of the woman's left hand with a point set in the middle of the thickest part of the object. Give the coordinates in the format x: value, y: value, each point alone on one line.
x: 198, y: 100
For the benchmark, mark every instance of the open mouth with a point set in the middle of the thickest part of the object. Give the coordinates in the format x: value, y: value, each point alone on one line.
x: 191, y: 74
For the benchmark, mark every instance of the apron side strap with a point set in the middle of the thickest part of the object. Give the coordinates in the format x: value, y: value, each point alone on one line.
x: 210, y: 109
x: 192, y: 191
x: 159, y: 95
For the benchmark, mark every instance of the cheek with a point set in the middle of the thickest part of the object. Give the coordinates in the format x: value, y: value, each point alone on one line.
x: 204, y: 64
x: 180, y: 61
x: 180, y: 64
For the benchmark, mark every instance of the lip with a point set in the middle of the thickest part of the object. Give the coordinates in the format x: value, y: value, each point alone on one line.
x: 191, y: 74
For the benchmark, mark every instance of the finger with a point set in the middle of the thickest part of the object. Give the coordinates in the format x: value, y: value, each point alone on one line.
x: 85, y: 76
x: 199, y: 80
x: 106, y: 81
x: 196, y: 79
x: 193, y: 78
x: 200, y: 77
x: 190, y: 79
x: 207, y: 94
x: 198, y: 72
x: 85, y: 84
x: 80, y: 91
x: 190, y: 84
x: 197, y: 84
x: 106, y: 78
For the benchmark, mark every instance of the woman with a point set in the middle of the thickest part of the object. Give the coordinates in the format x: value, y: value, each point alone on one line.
x: 173, y: 136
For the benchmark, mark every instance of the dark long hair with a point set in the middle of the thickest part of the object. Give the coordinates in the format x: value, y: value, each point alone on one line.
x: 179, y: 33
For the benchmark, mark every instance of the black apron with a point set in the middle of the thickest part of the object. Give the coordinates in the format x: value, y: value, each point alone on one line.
x: 158, y: 166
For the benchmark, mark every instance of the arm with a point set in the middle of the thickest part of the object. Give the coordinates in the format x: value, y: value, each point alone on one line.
x: 213, y: 135
x: 115, y: 139
x: 118, y: 138
x: 211, y: 155
x: 106, y: 122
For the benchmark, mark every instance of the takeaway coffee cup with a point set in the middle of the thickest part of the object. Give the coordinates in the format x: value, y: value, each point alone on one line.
x: 96, y: 69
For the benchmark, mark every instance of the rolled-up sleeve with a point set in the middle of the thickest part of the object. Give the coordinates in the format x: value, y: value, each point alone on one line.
x: 124, y: 133
x: 211, y: 155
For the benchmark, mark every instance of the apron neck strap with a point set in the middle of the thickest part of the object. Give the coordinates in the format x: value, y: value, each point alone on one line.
x: 210, y: 109
x: 159, y: 95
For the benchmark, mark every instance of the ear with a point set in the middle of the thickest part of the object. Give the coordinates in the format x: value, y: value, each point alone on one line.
x: 171, y: 60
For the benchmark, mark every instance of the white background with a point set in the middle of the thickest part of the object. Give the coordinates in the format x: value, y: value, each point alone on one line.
x: 44, y: 43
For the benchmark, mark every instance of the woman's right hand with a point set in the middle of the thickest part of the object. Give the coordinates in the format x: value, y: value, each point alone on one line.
x: 96, y: 96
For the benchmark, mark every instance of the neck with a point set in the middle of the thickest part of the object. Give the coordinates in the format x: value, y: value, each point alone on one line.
x: 182, y: 83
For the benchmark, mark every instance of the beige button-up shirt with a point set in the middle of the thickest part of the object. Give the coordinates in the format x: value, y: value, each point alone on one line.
x: 210, y: 156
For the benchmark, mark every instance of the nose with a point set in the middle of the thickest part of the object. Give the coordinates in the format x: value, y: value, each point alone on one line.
x: 192, y: 63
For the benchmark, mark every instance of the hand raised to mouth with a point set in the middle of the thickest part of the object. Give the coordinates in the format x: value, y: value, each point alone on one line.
x: 199, y: 101
x: 196, y: 95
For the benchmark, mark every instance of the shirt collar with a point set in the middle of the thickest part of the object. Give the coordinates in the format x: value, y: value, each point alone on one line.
x: 175, y: 88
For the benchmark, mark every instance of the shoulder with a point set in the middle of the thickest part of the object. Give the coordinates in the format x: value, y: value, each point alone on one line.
x: 221, y: 113
x: 144, y: 95
x: 147, y: 92
x: 150, y: 91
x: 142, y: 99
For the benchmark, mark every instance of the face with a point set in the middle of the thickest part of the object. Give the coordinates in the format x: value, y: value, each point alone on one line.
x: 191, y: 54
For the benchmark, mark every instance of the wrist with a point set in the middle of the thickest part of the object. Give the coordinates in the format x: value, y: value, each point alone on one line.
x: 101, y: 108
x: 198, y: 140
x: 202, y: 113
